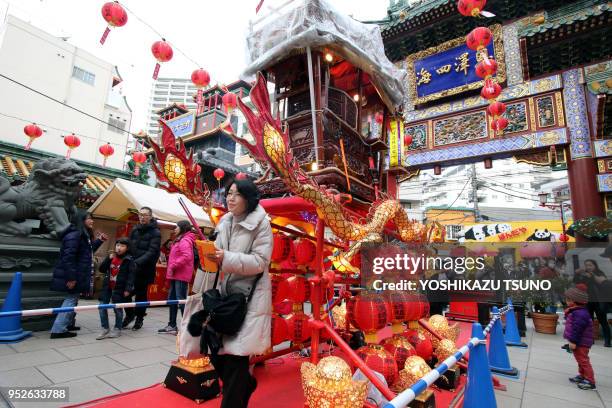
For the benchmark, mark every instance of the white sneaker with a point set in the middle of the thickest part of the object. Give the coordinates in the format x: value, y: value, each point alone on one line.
x: 103, y: 335
x: 114, y: 334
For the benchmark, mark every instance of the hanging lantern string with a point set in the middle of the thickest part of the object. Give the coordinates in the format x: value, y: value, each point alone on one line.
x: 161, y: 36
x: 45, y: 126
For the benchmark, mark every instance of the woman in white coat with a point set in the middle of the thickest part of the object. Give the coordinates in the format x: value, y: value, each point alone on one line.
x: 244, y: 246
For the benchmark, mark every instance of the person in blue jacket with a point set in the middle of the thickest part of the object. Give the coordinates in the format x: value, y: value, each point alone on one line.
x: 74, y: 270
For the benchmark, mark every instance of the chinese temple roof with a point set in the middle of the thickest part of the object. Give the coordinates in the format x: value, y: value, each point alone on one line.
x: 567, y: 15
x: 415, y: 26
x: 16, y: 164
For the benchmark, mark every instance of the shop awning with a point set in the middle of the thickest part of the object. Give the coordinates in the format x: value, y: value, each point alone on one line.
x: 124, y: 195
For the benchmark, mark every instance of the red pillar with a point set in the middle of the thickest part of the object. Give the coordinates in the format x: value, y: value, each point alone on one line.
x: 586, y: 200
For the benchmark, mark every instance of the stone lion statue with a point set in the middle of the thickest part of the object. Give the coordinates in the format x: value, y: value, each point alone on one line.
x: 48, y: 194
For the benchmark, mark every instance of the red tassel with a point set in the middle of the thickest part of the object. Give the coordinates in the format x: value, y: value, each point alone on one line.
x: 157, y: 66
x: 106, y: 32
x: 68, y: 154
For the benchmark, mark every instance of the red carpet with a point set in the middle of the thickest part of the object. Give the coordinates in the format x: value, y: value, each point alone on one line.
x: 279, y: 385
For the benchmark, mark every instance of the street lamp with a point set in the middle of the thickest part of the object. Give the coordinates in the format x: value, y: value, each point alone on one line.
x: 543, y: 197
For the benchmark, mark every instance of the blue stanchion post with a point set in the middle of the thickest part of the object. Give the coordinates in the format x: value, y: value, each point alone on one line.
x: 10, y: 327
x: 479, y: 388
x: 499, y: 361
x: 511, y: 335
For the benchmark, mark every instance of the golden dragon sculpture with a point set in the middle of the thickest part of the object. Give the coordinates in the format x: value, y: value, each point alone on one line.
x: 271, y: 145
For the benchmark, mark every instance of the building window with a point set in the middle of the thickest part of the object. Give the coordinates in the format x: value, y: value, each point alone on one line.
x: 85, y: 76
x: 509, y: 198
x: 113, y: 124
x: 452, y: 232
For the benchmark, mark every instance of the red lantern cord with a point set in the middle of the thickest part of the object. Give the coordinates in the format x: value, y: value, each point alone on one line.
x: 162, y: 51
x: 106, y: 151
x: 72, y: 141
x: 114, y: 15
x: 32, y: 131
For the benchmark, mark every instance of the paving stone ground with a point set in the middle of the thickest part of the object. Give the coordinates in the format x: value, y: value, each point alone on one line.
x: 93, y: 369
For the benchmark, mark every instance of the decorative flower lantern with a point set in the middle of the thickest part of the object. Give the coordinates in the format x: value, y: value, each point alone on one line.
x: 479, y: 38
x: 106, y: 151
x: 115, y: 16
x: 490, y: 90
x: 32, y: 131
x: 369, y: 312
x: 486, y: 68
x: 200, y: 79
x: 72, y: 141
x: 379, y: 360
x: 471, y: 8
x: 400, y: 348
x: 139, y: 158
x: 175, y: 171
x: 162, y: 51
x: 445, y: 349
x: 229, y: 102
x: 499, y: 124
x: 496, y: 109
x: 241, y: 176
x: 330, y: 384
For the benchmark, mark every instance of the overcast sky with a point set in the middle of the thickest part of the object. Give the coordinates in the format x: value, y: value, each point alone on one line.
x: 211, y: 32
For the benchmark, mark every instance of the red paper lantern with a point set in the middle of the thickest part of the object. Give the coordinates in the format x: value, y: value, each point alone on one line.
x: 479, y: 38
x: 486, y: 68
x: 162, y: 51
x: 379, y: 360
x: 298, y: 327
x: 200, y: 78
x: 106, y: 151
x: 490, y: 90
x: 72, y: 141
x: 496, y: 109
x: 421, y: 344
x: 32, y: 131
x: 379, y: 117
x: 229, y: 102
x: 219, y: 174
x: 305, y: 252
x: 139, y: 158
x: 407, y: 140
x: 369, y: 312
x: 400, y: 348
x: 499, y: 124
x: 241, y: 176
x: 115, y: 16
x: 471, y: 8
x: 280, y: 331
x: 299, y: 289
x: 281, y: 247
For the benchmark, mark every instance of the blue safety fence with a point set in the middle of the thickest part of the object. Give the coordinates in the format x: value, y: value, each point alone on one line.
x: 56, y: 310
x: 408, y: 395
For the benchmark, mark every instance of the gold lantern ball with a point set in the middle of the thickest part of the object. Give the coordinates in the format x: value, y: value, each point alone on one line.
x: 329, y: 384
x: 445, y: 349
x: 438, y: 323
x: 452, y: 332
x: 175, y: 172
x: 414, y: 369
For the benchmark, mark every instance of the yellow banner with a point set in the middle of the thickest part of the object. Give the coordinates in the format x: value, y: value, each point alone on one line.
x: 394, y: 143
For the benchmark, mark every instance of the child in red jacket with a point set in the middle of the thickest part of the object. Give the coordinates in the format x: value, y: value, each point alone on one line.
x: 579, y: 333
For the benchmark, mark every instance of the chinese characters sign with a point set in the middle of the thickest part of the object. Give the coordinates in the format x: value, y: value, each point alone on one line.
x: 449, y: 69
x: 183, y: 125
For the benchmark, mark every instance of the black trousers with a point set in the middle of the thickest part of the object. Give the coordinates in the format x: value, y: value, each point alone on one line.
x: 141, y: 287
x: 238, y: 383
x: 596, y: 309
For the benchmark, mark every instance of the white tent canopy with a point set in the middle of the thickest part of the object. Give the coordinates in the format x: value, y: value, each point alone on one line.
x: 123, y: 195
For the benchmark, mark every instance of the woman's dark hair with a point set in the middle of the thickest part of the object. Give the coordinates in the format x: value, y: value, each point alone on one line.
x: 79, y: 224
x: 123, y: 241
x: 248, y: 190
x: 184, y: 226
x: 594, y: 263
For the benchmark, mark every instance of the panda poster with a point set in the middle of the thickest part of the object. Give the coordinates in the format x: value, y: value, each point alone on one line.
x: 515, y: 231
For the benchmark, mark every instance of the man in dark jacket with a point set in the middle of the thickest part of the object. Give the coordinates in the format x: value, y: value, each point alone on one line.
x: 145, y: 243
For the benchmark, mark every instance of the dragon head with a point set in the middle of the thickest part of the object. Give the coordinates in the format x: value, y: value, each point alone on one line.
x: 175, y: 169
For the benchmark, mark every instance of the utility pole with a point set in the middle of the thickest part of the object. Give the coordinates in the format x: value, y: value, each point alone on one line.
x: 475, y: 193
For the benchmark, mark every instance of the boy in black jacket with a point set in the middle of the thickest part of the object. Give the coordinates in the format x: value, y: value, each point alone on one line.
x: 118, y: 284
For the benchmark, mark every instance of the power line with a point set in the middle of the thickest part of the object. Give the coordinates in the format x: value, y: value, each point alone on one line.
x: 66, y: 105
x: 455, y: 200
x: 511, y: 195
x: 54, y: 128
